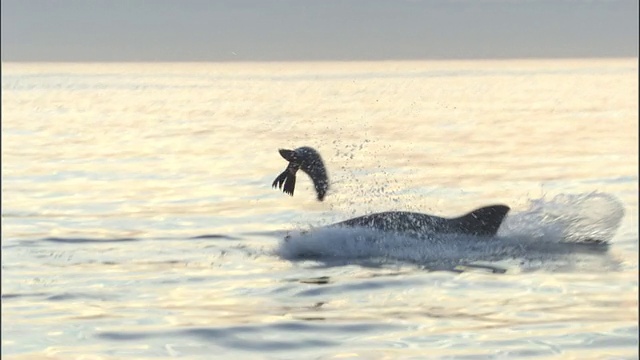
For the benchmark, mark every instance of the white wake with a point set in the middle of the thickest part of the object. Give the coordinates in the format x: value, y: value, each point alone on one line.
x: 548, y: 231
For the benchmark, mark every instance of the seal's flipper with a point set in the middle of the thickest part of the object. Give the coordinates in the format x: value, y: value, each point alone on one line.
x: 279, y: 180
x: 289, y: 184
x: 484, y: 221
x: 287, y: 180
x: 288, y: 155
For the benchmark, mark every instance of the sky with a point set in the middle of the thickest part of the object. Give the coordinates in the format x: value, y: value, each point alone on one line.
x: 315, y: 30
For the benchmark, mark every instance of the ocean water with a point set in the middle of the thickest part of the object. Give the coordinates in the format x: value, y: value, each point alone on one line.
x: 139, y: 221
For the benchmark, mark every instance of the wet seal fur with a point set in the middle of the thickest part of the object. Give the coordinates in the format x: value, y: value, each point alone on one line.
x: 309, y: 161
x: 484, y: 221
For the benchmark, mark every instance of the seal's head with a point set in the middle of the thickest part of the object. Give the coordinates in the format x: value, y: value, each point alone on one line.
x: 309, y: 161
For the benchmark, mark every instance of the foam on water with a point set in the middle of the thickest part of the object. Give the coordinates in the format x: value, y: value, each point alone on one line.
x: 546, y: 231
x: 567, y: 217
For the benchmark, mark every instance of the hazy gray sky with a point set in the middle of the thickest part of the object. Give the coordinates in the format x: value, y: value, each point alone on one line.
x: 246, y: 30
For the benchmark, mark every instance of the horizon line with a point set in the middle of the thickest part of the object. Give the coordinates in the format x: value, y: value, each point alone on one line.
x: 506, y: 58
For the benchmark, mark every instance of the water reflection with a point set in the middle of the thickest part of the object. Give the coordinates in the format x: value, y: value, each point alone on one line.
x: 138, y: 218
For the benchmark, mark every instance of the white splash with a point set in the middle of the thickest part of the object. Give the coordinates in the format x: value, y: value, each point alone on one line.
x: 547, y: 231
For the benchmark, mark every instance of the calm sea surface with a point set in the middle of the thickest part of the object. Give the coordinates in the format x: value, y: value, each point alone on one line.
x: 139, y: 222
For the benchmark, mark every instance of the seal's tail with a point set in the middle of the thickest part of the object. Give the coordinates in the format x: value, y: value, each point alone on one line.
x: 288, y: 155
x: 285, y: 181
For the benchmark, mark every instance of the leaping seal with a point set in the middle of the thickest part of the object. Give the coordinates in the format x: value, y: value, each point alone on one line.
x: 309, y: 161
x: 483, y: 221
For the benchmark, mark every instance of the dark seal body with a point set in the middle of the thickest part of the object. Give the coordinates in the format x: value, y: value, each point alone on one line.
x: 309, y: 161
